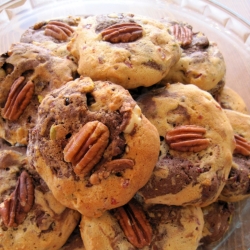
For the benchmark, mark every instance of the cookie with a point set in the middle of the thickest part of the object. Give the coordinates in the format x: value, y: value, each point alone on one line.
x: 201, y: 62
x: 74, y: 242
x: 30, y: 72
x: 30, y: 216
x: 56, y: 30
x: 230, y: 99
x: 238, y: 184
x: 91, y: 145
x: 134, y: 226
x: 197, y: 142
x: 126, y: 49
x: 53, y: 35
x: 217, y: 219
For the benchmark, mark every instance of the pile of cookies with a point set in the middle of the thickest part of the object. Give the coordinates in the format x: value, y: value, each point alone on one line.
x: 118, y: 132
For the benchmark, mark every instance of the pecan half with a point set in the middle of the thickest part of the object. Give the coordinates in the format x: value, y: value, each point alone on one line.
x: 20, y: 202
x: 242, y: 145
x: 134, y: 224
x: 18, y: 99
x: 182, y: 33
x: 59, y: 30
x: 111, y: 167
x: 123, y: 32
x: 187, y: 138
x: 85, y: 149
x: 39, y: 25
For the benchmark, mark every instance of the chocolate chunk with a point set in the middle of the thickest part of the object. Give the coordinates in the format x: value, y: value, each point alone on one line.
x: 152, y: 64
x: 181, y: 173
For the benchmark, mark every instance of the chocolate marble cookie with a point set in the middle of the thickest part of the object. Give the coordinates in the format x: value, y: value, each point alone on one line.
x: 127, y: 49
x: 136, y: 226
x: 217, y: 220
x: 201, y: 62
x: 197, y: 143
x: 56, y: 30
x: 52, y: 34
x: 238, y: 183
x: 30, y: 216
x: 29, y: 73
x: 91, y: 145
x: 230, y: 99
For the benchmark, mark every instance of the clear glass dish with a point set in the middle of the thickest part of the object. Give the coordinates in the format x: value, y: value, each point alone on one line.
x: 229, y: 31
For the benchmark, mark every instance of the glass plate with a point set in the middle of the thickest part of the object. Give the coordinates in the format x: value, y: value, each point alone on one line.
x: 229, y: 31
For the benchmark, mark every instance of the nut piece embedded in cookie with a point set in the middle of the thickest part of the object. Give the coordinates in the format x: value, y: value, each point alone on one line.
x: 59, y: 30
x: 85, y: 148
x: 183, y: 33
x: 133, y: 222
x: 19, y: 97
x: 242, y: 145
x: 19, y: 203
x: 124, y: 32
x: 112, y: 167
x: 187, y: 138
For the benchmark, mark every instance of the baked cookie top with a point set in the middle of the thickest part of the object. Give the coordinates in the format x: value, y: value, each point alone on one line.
x: 126, y: 49
x: 29, y: 73
x: 135, y: 226
x: 201, y: 62
x: 197, y: 142
x: 238, y: 184
x: 30, y: 216
x: 91, y: 145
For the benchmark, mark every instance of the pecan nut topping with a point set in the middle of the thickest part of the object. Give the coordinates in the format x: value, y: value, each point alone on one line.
x: 39, y: 25
x: 242, y: 146
x: 123, y: 32
x: 111, y: 167
x: 18, y: 99
x: 85, y: 149
x: 134, y: 224
x: 187, y: 138
x: 182, y: 33
x: 20, y: 202
x: 59, y: 30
